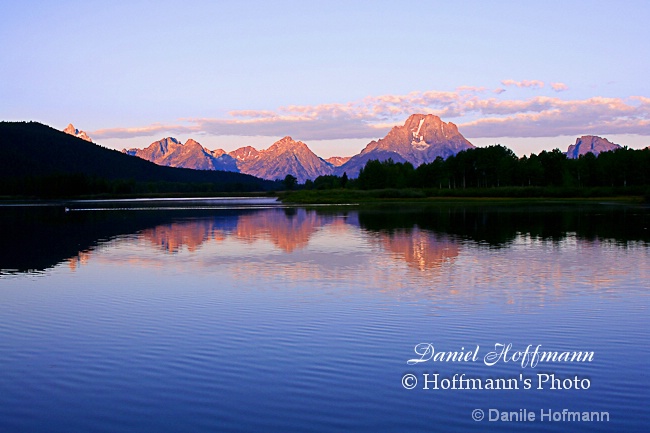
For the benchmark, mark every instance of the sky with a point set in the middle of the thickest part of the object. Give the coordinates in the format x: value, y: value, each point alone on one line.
x: 529, y: 75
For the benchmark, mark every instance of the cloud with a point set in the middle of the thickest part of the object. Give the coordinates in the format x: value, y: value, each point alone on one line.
x: 559, y: 87
x: 534, y: 84
x: 144, y: 131
x: 499, y: 91
x: 302, y: 128
x: 554, y: 117
x: 366, y: 118
x: 471, y: 89
x: 645, y: 101
x: 496, y: 106
x: 479, y: 115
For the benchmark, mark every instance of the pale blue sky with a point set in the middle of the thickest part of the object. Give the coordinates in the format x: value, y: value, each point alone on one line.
x: 332, y: 74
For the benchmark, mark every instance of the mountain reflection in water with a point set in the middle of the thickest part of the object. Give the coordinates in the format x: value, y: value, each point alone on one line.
x: 242, y: 319
x: 424, y: 238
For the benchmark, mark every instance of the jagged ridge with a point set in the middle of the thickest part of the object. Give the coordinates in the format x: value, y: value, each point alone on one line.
x: 171, y: 153
x: 590, y: 144
x: 70, y: 129
x: 421, y: 139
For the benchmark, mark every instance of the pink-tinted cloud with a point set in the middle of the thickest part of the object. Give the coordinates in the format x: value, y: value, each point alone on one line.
x: 144, y: 131
x: 251, y: 113
x: 596, y: 115
x: 559, y: 87
x: 503, y: 107
x: 478, y: 115
x: 471, y: 89
x: 533, y: 84
x: 643, y: 100
x: 298, y: 127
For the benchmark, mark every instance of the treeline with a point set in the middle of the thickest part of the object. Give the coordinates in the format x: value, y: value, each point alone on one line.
x: 60, y: 185
x: 497, y: 166
x: 42, y: 162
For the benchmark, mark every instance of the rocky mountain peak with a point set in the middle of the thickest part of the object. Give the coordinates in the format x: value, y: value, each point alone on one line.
x: 590, y: 144
x: 170, y: 152
x: 421, y: 139
x: 168, y: 141
x: 416, y: 121
x: 287, y: 156
x: 191, y: 143
x: 245, y: 153
x: 70, y: 129
x: 287, y: 143
x: 164, y: 145
x: 217, y: 152
x: 337, y: 161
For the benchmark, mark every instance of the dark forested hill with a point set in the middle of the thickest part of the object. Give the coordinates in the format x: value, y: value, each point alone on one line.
x: 33, y: 155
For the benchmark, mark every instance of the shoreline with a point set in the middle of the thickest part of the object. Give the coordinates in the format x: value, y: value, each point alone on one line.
x: 500, y: 195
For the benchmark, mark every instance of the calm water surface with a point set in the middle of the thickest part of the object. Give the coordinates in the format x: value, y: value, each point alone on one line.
x: 246, y: 316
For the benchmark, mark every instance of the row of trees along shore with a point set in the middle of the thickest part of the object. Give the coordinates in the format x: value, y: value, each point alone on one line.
x: 497, y: 166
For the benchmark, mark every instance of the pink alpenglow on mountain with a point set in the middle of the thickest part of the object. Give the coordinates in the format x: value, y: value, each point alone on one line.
x: 420, y: 140
x: 245, y: 154
x: 70, y: 129
x: 170, y: 152
x: 338, y: 161
x: 286, y: 156
x: 590, y: 144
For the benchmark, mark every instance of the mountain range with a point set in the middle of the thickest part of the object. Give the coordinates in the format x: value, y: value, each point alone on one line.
x: 172, y: 153
x: 421, y: 139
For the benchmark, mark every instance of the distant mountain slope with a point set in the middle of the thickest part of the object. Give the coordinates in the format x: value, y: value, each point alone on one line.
x: 156, y: 151
x: 420, y: 140
x: 286, y: 156
x: 245, y: 154
x: 283, y: 157
x: 171, y: 153
x: 33, y: 149
x: 357, y: 162
x: 337, y: 161
x: 590, y: 143
x: 70, y: 129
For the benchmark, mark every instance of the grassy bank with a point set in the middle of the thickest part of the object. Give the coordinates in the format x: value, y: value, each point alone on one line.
x: 344, y: 196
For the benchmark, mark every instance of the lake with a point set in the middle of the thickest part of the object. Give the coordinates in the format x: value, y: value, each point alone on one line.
x: 244, y: 315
